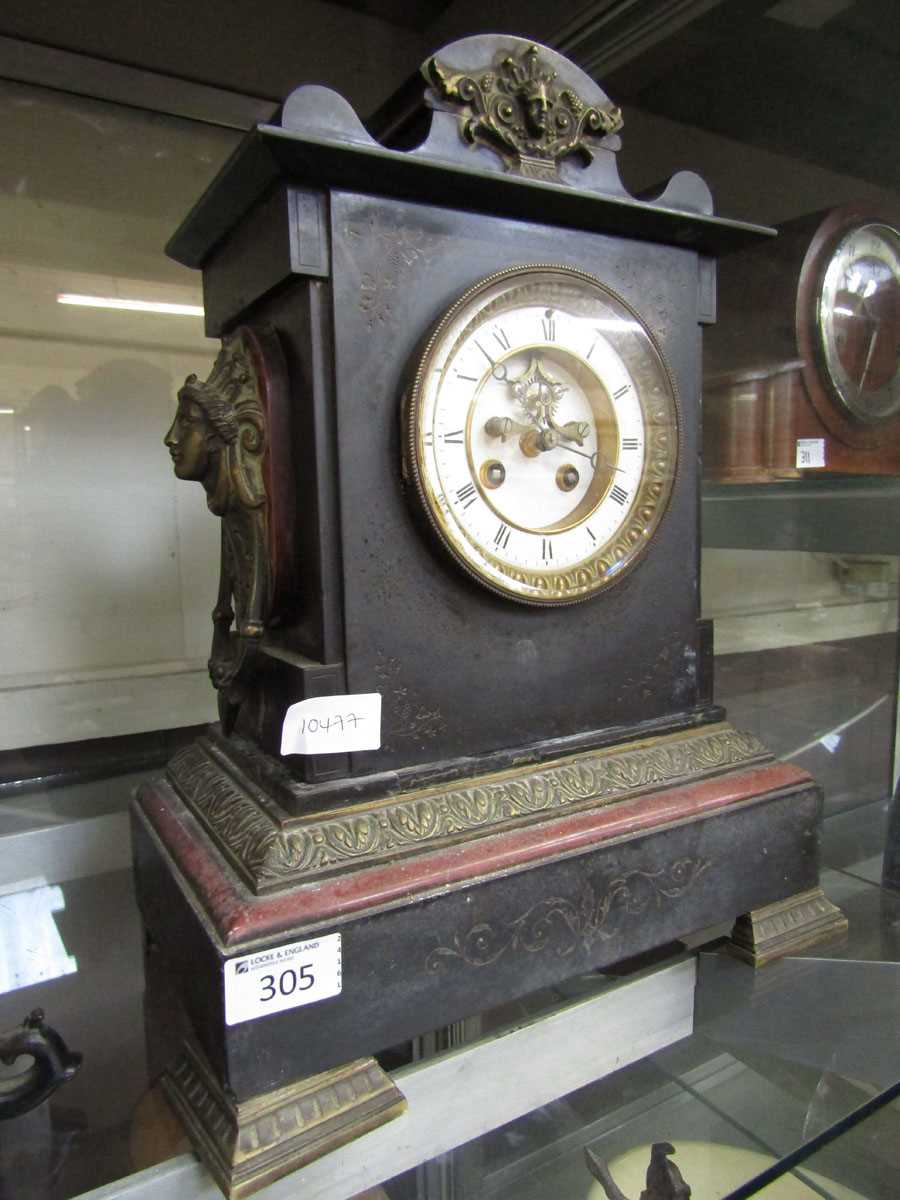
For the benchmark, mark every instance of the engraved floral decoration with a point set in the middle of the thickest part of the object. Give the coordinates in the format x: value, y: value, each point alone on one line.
x: 519, y: 111
x: 398, y: 249
x: 270, y: 855
x: 564, y: 925
x: 412, y: 720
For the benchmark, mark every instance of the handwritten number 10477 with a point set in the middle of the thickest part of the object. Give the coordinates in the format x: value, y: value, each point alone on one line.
x: 334, y: 724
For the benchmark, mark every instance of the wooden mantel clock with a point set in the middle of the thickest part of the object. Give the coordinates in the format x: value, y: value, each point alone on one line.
x: 452, y: 438
x: 805, y: 377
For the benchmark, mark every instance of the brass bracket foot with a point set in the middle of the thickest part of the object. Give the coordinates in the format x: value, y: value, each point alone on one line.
x: 250, y: 1144
x: 791, y: 925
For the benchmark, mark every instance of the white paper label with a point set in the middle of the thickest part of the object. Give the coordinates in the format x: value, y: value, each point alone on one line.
x: 831, y: 741
x: 333, y: 724
x: 285, y: 977
x: 810, y: 452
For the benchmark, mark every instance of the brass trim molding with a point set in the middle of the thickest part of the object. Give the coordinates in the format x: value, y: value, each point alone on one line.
x: 786, y: 927
x: 248, y: 1145
x: 272, y: 853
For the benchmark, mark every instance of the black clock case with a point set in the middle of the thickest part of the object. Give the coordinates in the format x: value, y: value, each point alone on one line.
x: 459, y: 668
x: 352, y: 282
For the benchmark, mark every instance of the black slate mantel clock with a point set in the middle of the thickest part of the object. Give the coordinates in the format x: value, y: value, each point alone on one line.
x: 452, y: 438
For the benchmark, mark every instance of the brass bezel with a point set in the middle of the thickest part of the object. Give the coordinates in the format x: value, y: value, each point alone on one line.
x: 616, y: 558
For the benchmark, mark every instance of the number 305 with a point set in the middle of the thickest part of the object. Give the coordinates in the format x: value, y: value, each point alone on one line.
x: 288, y: 982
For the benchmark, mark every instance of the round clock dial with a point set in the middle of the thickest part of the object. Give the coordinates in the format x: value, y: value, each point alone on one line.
x: 859, y: 321
x: 542, y: 434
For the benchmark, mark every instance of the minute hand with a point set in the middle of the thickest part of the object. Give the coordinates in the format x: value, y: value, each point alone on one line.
x: 873, y: 337
x: 595, y: 459
x: 572, y: 431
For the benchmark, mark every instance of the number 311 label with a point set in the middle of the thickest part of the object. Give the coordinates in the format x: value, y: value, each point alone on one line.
x: 284, y: 977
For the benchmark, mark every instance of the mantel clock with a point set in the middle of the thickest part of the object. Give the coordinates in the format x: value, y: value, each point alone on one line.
x: 808, y: 380
x: 452, y: 438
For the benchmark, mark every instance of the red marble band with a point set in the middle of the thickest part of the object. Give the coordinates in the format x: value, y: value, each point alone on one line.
x: 239, y: 916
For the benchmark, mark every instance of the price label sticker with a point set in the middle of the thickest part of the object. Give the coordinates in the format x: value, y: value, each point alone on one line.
x: 810, y: 453
x: 831, y: 741
x: 333, y: 724
x: 284, y: 977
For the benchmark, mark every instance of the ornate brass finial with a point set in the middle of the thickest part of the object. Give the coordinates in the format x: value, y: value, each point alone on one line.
x: 519, y: 111
x: 218, y: 438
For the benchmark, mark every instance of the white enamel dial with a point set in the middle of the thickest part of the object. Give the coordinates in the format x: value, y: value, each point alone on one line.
x: 859, y: 321
x: 542, y: 434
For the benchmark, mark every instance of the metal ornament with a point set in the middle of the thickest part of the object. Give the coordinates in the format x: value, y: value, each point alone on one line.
x: 53, y: 1065
x: 271, y: 854
x: 219, y: 439
x: 518, y: 111
x: 245, y: 1144
x: 664, y: 1180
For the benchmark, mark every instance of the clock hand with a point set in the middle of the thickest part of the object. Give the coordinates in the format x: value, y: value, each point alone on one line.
x: 498, y: 370
x: 572, y: 431
x: 533, y: 440
x: 502, y: 427
x: 872, y: 339
x: 595, y: 459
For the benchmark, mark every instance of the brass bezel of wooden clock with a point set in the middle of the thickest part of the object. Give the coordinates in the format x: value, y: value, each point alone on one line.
x: 831, y: 406
x: 629, y: 341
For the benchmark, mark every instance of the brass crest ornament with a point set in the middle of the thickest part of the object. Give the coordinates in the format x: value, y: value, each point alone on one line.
x: 218, y: 438
x: 519, y: 111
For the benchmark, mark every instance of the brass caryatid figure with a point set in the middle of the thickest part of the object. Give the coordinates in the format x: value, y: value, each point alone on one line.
x: 219, y: 439
x: 522, y: 113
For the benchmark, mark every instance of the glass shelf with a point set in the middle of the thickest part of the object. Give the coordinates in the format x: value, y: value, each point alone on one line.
x: 777, y: 1058
x: 779, y: 1063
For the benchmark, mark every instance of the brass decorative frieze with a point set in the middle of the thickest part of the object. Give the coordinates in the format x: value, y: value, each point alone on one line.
x: 273, y: 854
x: 248, y: 1145
x: 562, y: 925
x: 219, y: 439
x: 520, y: 111
x: 786, y: 927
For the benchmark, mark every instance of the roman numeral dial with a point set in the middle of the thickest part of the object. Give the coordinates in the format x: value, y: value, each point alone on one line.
x: 542, y: 435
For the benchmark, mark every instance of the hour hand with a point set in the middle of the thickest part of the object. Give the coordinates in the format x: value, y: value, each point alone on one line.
x: 504, y: 427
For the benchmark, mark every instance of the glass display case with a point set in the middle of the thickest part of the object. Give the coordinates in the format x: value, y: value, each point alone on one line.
x: 775, y: 1071
x: 786, y: 1082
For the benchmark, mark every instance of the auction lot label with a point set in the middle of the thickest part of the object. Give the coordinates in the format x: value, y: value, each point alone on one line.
x: 284, y: 977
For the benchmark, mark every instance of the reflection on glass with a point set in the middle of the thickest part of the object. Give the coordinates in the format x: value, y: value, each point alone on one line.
x: 857, y: 1158
x: 713, y: 1170
x: 108, y: 578
x: 31, y: 949
x: 805, y: 660
x: 165, y: 307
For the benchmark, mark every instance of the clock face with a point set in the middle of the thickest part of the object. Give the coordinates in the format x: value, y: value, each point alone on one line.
x: 542, y: 434
x: 859, y: 322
